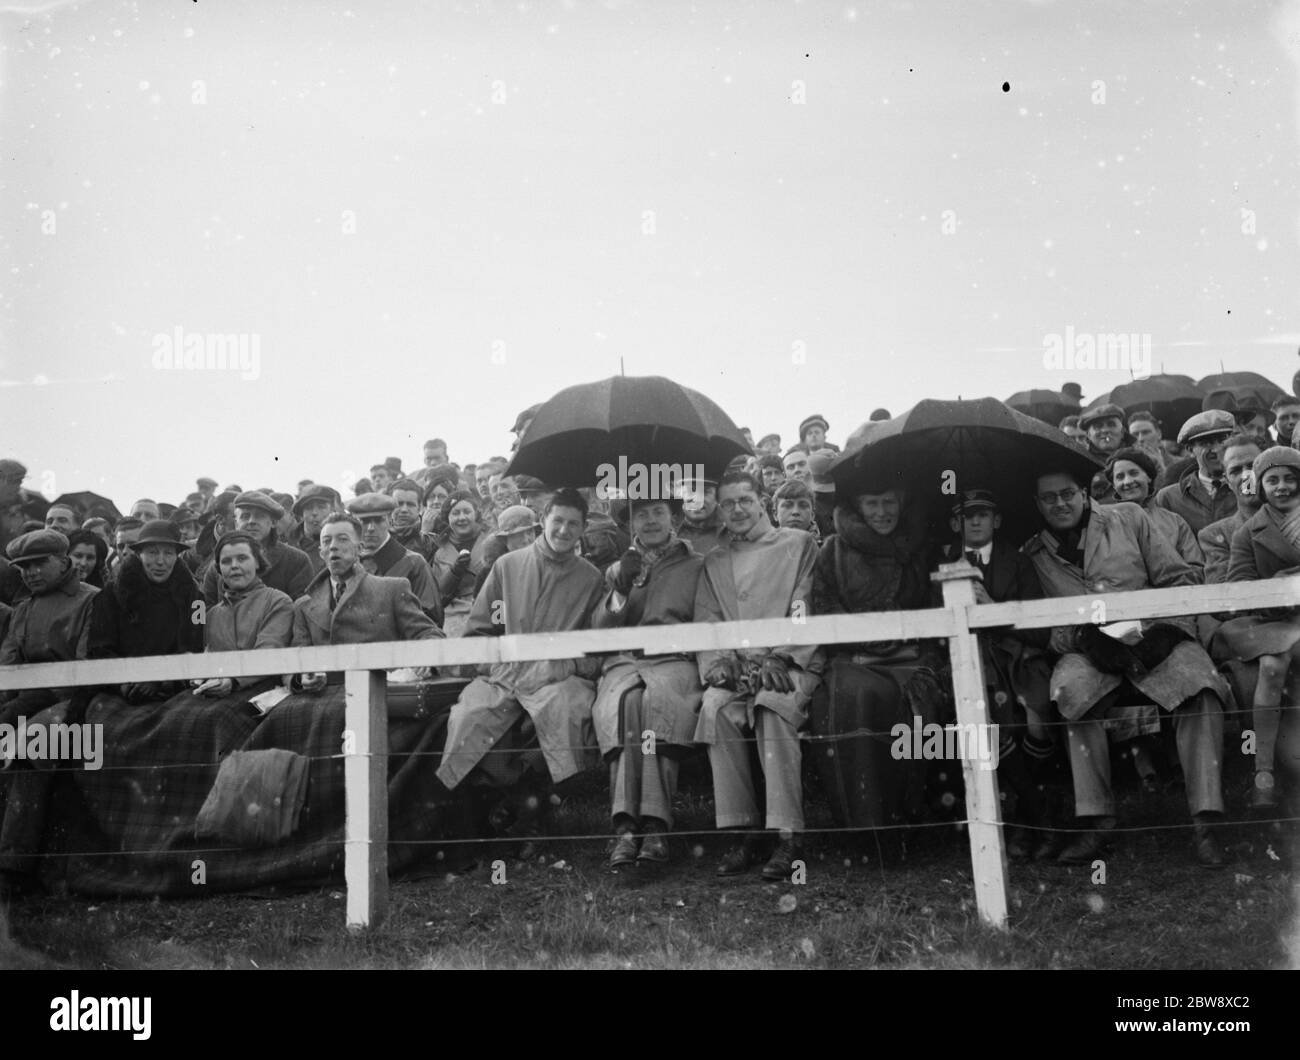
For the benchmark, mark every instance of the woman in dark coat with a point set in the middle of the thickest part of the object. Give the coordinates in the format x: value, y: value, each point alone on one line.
x: 875, y: 561
x: 149, y: 609
x: 1268, y: 546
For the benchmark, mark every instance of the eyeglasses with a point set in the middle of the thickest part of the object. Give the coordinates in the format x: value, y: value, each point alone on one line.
x: 743, y: 502
x: 1063, y: 496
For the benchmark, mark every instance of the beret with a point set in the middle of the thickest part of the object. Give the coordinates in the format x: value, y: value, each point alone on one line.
x: 515, y: 518
x: 1276, y: 456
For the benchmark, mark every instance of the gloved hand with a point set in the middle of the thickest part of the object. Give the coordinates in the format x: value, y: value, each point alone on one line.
x: 723, y: 673
x: 462, y: 561
x: 628, y: 570
x: 775, y: 675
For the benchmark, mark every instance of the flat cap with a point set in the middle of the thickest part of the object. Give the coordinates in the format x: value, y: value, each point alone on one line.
x: 258, y: 499
x: 205, y: 481
x: 1101, y: 412
x: 528, y: 484
x: 1215, y: 421
x: 12, y: 467
x: 815, y: 420
x: 37, y: 545
x: 317, y: 492
x: 371, y: 504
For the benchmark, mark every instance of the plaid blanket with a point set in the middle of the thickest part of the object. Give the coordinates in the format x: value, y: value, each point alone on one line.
x: 128, y: 828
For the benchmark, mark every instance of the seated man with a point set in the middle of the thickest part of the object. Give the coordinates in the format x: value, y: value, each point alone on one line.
x: 382, y: 554
x: 289, y: 568
x: 1200, y: 495
x: 345, y: 604
x: 545, y: 587
x: 1087, y: 548
x: 52, y: 624
x: 759, y: 572
x: 1017, y: 671
x: 653, y: 584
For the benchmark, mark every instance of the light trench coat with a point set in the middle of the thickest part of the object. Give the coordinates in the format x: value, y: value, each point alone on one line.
x: 1123, y: 551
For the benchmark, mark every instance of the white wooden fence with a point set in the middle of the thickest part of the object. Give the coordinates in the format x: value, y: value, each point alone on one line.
x: 366, y: 666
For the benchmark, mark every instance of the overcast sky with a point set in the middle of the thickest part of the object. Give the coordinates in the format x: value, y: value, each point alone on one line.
x: 428, y: 216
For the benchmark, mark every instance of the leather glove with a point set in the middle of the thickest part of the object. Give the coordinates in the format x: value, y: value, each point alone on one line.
x: 628, y: 570
x: 775, y: 675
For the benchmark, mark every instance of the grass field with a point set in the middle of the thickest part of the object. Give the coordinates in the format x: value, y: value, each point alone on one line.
x: 907, y: 903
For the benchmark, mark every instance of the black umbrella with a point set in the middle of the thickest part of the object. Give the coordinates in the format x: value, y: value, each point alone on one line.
x: 941, y: 448
x: 1172, y: 399
x: 586, y: 430
x: 1242, y: 381
x: 1050, y: 406
x: 88, y: 505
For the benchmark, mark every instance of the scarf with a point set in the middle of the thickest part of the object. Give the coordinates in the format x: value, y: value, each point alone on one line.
x: 1288, y: 525
x: 1070, y: 544
x: 233, y: 598
x: 650, y: 557
x: 893, y: 575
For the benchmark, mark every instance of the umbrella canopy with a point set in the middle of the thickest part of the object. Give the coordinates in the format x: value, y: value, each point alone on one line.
x: 1173, y: 399
x: 1049, y: 406
x: 1242, y: 381
x: 941, y: 448
x: 622, y: 421
x: 88, y: 505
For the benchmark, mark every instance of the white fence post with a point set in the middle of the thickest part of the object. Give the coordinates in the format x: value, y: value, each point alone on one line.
x: 365, y: 779
x: 983, y: 808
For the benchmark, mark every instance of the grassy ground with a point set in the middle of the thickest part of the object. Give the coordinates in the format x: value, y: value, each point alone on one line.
x: 910, y: 906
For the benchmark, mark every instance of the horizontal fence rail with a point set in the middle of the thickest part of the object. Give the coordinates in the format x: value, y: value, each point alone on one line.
x: 663, y: 640
x: 366, y: 666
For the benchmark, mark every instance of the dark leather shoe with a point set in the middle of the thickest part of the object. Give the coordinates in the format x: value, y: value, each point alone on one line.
x: 624, y: 852
x: 1209, y: 853
x: 781, y: 863
x: 654, y: 847
x: 739, y: 857
x: 1086, y: 847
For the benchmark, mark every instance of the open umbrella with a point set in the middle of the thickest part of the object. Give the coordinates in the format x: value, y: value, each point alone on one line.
x: 1050, y: 406
x: 940, y: 448
x: 584, y: 431
x: 1252, y: 382
x: 1172, y: 399
x: 88, y: 505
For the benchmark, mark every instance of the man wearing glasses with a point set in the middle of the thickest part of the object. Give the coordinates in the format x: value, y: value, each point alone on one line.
x: 758, y: 695
x: 1202, y: 495
x: 1087, y: 549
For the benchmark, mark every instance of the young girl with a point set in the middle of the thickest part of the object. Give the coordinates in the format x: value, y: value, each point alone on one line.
x: 1268, y: 546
